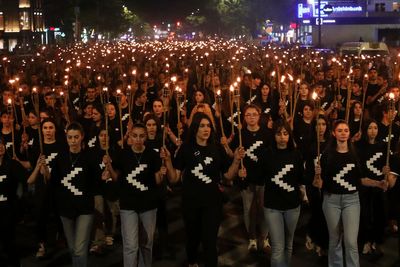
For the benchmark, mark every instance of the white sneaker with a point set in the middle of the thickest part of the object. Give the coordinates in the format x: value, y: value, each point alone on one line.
x: 266, y: 244
x: 309, y: 243
x: 252, y: 245
x: 367, y: 249
x: 318, y: 250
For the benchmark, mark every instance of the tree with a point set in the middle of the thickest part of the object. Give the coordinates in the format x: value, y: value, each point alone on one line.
x: 196, y: 21
x: 234, y: 16
x: 135, y: 23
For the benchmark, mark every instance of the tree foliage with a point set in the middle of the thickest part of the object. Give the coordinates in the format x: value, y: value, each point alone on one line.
x: 234, y: 15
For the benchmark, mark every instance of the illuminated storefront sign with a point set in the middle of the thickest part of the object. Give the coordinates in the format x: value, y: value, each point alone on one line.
x: 330, y: 9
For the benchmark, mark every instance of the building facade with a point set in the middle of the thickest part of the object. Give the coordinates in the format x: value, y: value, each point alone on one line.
x: 349, y: 20
x: 21, y: 23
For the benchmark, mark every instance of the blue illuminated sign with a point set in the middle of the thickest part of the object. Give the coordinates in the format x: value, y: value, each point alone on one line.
x: 328, y: 10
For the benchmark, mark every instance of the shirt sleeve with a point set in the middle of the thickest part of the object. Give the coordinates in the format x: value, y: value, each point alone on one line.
x: 226, y: 161
x: 179, y: 160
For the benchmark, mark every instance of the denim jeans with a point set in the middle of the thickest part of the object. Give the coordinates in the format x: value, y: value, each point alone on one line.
x: 281, y: 225
x: 342, y: 212
x: 77, y: 232
x: 137, y: 236
x: 253, y: 209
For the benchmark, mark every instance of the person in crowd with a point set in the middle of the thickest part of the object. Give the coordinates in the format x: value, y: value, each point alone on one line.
x: 339, y: 175
x: 73, y: 181
x: 317, y: 232
x: 255, y: 140
x: 284, y: 171
x: 371, y: 152
x: 139, y: 173
x: 44, y: 197
x: 11, y: 173
x: 201, y: 162
x: 105, y: 193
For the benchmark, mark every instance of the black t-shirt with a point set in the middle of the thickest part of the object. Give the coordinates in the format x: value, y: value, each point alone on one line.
x: 73, y: 180
x: 108, y: 189
x: 372, y: 159
x: 255, y: 144
x: 311, y: 161
x: 341, y: 172
x: 51, y: 152
x: 202, y: 167
x: 138, y: 188
x: 11, y: 172
x: 383, y: 135
x: 284, y: 171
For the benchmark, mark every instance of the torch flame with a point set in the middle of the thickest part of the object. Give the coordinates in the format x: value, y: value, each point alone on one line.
x: 314, y: 95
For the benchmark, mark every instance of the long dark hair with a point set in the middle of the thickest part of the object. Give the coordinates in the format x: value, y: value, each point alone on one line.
x: 279, y: 126
x: 194, y: 127
x: 365, y: 130
x: 152, y: 116
x: 327, y: 133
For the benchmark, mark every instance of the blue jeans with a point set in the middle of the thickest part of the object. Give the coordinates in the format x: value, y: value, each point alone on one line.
x: 342, y: 212
x: 137, y: 236
x: 281, y: 225
x: 77, y: 232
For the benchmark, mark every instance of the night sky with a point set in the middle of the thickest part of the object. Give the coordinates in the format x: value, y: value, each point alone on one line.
x: 153, y: 10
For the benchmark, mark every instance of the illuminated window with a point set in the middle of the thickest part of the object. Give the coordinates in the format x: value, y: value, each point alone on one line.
x: 24, y: 3
x: 1, y: 21
x: 24, y: 20
x: 396, y: 6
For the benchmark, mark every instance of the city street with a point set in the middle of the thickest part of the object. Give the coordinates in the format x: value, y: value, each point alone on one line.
x: 232, y: 245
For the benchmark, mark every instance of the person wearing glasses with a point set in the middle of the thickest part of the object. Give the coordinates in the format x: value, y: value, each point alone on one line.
x: 255, y: 140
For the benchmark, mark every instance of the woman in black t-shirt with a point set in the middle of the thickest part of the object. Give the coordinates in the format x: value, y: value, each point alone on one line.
x: 283, y: 172
x: 44, y: 190
x: 340, y: 174
x: 10, y: 172
x: 372, y: 152
x: 201, y: 163
x: 140, y: 173
x: 73, y: 181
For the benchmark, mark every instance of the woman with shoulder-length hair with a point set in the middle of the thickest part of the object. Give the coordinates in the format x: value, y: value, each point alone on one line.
x: 283, y: 168
x: 339, y: 176
x: 371, y: 152
x: 201, y: 163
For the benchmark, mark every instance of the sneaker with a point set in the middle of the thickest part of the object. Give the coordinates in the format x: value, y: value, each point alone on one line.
x: 377, y: 250
x: 41, y: 253
x: 252, y: 245
x: 266, y: 244
x: 96, y: 249
x: 109, y: 241
x: 319, y: 251
x: 367, y: 249
x: 309, y: 244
